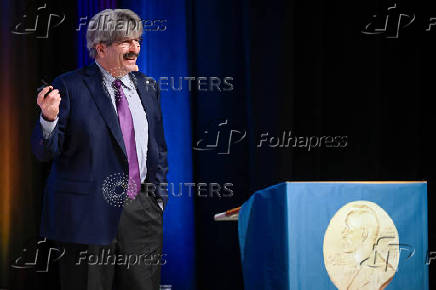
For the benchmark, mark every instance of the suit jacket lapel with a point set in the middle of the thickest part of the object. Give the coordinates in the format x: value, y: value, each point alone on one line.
x: 94, y: 81
x: 145, y: 93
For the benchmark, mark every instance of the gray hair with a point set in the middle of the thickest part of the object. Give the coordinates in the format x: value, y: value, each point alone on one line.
x: 112, y: 25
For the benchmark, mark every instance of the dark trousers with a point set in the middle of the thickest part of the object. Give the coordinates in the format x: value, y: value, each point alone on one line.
x: 131, y: 261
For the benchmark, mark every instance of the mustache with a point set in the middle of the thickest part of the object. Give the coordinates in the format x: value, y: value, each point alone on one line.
x: 130, y: 55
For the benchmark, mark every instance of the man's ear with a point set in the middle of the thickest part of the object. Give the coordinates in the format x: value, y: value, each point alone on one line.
x: 101, y: 49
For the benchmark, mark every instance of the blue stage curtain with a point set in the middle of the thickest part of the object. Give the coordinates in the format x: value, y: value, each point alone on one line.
x: 85, y: 11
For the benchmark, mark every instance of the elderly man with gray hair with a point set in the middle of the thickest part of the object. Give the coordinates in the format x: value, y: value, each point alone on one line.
x: 101, y: 127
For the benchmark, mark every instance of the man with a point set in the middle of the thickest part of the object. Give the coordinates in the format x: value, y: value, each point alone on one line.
x: 101, y: 126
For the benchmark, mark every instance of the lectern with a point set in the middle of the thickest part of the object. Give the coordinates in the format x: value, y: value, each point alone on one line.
x: 335, y: 235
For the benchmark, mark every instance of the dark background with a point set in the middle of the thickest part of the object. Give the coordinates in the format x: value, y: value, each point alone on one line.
x: 305, y: 66
x: 299, y: 66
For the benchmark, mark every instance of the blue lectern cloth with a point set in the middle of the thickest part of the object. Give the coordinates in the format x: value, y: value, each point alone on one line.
x: 281, y: 232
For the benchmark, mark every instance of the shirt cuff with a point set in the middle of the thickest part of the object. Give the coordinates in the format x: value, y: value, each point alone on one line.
x: 47, y: 126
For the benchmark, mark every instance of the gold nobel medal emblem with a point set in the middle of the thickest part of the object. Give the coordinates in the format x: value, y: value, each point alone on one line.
x: 361, y: 247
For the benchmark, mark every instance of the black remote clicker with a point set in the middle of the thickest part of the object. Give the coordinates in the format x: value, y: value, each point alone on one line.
x: 44, y: 84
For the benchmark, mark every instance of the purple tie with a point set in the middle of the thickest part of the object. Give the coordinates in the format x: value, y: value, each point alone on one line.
x: 126, y: 124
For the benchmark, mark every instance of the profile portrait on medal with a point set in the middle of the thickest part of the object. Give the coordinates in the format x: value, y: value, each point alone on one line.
x: 361, y: 247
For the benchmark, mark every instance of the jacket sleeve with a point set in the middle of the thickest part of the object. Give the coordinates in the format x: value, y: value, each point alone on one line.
x: 162, y: 166
x: 48, y: 149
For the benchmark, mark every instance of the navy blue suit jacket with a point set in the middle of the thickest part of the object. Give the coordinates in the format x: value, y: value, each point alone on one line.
x: 86, y: 148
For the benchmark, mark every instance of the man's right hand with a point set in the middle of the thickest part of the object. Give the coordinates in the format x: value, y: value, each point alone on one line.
x: 50, y: 104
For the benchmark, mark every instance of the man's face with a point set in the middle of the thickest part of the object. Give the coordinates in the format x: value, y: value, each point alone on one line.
x: 119, y: 58
x: 351, y: 238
